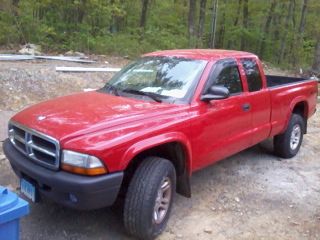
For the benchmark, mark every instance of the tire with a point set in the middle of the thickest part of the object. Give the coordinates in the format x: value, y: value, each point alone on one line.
x: 149, y: 182
x: 287, y: 144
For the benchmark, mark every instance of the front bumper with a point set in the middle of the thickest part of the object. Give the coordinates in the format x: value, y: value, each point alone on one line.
x: 89, y: 192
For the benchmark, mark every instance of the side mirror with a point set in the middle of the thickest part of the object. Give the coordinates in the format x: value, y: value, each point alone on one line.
x: 215, y: 93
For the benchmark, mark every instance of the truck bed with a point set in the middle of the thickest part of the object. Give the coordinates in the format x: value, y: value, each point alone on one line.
x: 277, y: 81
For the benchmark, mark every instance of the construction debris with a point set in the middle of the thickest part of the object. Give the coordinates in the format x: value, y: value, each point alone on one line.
x: 75, y: 54
x: 4, y: 57
x: 82, y: 69
x: 30, y: 49
x: 63, y: 58
x: 12, y: 57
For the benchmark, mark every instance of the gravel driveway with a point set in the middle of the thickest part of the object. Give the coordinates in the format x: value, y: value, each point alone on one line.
x: 252, y: 195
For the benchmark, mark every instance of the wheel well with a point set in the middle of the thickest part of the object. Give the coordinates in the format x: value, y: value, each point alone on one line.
x: 301, y: 108
x: 172, y: 151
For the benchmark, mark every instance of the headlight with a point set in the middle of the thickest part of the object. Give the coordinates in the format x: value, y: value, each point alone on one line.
x: 82, y: 163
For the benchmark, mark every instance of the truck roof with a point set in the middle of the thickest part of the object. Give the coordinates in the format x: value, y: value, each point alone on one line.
x: 204, y: 54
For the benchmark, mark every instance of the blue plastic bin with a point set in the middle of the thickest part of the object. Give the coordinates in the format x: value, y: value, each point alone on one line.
x: 12, y: 208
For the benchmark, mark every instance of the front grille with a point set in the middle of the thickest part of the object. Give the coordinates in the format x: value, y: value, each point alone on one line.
x: 39, y: 147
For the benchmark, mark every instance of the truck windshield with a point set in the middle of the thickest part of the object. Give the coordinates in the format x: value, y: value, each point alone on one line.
x: 159, y: 78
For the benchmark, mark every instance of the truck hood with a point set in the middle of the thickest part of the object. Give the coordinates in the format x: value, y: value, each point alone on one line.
x: 74, y: 115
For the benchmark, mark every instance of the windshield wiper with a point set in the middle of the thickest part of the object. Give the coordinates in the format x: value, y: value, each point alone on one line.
x: 153, y: 96
x: 114, y: 90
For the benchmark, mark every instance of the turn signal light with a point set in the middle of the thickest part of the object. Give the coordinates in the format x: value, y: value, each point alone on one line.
x: 84, y: 171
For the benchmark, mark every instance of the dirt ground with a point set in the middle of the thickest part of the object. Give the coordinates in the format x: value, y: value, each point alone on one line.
x: 252, y: 195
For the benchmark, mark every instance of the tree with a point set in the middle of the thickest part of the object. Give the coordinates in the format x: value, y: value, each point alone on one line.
x: 282, y: 32
x: 286, y: 31
x: 266, y: 28
x: 222, y: 26
x: 202, y: 15
x: 15, y: 7
x: 303, y: 16
x: 236, y: 21
x: 213, y: 23
x: 316, y: 60
x: 143, y: 17
x: 245, y: 20
x: 298, y: 41
x: 191, y: 20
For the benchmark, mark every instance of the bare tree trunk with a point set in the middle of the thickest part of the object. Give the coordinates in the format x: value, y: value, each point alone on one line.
x: 191, y: 20
x: 303, y: 16
x: 298, y: 37
x: 213, y: 24
x: 143, y: 17
x: 222, y: 27
x: 15, y: 4
x: 267, y: 28
x: 202, y: 15
x: 293, y: 17
x: 81, y: 11
x: 316, y: 61
x: 277, y: 22
x: 244, y: 23
x: 293, y: 46
x: 236, y: 21
x: 285, y: 33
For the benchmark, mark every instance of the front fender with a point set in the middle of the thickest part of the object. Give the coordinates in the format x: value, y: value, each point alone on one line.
x: 158, y: 140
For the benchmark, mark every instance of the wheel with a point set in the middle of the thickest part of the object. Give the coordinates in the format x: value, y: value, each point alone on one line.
x: 287, y: 144
x: 149, y: 198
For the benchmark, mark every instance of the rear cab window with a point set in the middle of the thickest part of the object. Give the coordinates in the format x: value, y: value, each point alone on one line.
x: 253, y: 75
x: 226, y: 73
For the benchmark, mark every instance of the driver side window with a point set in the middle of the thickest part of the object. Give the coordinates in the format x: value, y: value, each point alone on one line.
x: 229, y: 77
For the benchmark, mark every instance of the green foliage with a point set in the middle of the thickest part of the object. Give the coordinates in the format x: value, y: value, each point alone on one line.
x: 112, y: 27
x: 8, y: 34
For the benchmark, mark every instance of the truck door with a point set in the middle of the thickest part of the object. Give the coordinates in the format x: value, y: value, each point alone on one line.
x: 225, y: 124
x: 259, y: 99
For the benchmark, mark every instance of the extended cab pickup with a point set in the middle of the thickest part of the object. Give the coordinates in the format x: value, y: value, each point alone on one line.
x: 150, y: 127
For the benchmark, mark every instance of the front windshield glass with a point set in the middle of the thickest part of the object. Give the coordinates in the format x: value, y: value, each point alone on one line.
x: 166, y: 77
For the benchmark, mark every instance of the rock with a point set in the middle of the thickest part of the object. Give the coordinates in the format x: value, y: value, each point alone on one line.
x: 237, y: 199
x: 208, y: 230
x: 179, y: 235
x: 69, y: 53
x: 75, y: 54
x: 291, y: 206
x: 30, y: 49
x: 213, y: 208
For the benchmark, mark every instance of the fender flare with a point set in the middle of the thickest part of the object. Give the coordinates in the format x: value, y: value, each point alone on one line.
x: 158, y: 140
x: 292, y: 106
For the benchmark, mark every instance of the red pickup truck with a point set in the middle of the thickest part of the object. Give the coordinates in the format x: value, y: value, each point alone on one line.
x: 150, y: 127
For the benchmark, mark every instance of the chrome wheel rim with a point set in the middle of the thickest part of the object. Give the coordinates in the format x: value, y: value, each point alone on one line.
x: 295, y: 137
x: 163, y: 200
